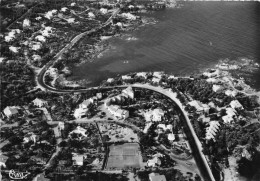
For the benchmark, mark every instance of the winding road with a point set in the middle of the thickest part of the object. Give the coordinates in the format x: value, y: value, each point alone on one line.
x: 204, y: 168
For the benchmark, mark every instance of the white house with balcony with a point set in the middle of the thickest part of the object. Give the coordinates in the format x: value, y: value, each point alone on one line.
x: 212, y: 130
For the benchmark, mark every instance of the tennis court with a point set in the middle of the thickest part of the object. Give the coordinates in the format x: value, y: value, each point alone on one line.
x: 124, y: 156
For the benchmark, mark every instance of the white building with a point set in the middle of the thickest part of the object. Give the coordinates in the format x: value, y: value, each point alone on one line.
x: 10, y: 111
x: 164, y: 127
x: 26, y: 23
x: 80, y: 131
x: 128, y: 92
x: 39, y: 102
x: 156, y: 177
x: 35, y: 45
x: 232, y: 93
x: 147, y: 126
x: 142, y: 74
x: 118, y: 112
x: 99, y: 95
x: 154, y: 162
x: 64, y: 9
x: 78, y: 160
x: 212, y: 80
x: 61, y: 125
x: 235, y: 104
x: 155, y: 80
x: 158, y: 74
x: 53, y: 72
x: 171, y: 77
x: 199, y: 106
x: 36, y: 57
x: 47, y: 31
x: 154, y: 115
x: 129, y: 16
x: 40, y: 38
x: 11, y: 35
x: 126, y: 77
x: 231, y: 113
x: 171, y: 137
x: 38, y: 18
x: 91, y: 15
x: 212, y: 130
x: 103, y: 11
x: 110, y: 80
x: 80, y: 112
x: 86, y: 103
x: 217, y: 88
x: 50, y: 14
x: 14, y: 49
x: 30, y: 137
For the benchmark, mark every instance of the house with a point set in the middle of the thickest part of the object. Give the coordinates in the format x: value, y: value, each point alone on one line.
x: 91, y: 15
x: 171, y: 77
x: 142, y: 74
x: 81, y: 132
x: 3, y: 160
x: 232, y: 93
x: 41, y: 177
x: 212, y: 80
x: 171, y: 137
x: 86, y: 103
x: 99, y: 95
x: 30, y: 137
x: 80, y: 112
x: 26, y: 23
x: 78, y: 160
x: 235, y: 104
x: 155, y: 161
x: 154, y: 115
x: 156, y: 177
x: 155, y: 80
x: 10, y: 111
x: 40, y: 38
x: 128, y: 16
x: 147, y: 126
x: 83, y: 108
x: 57, y: 132
x: 110, y: 80
x: 199, y: 106
x: 126, y: 77
x: 231, y: 113
x: 164, y: 127
x: 64, y: 9
x: 39, y: 102
x: 128, y: 92
x: 103, y: 11
x: 53, y: 72
x: 116, y: 111
x: 212, y: 130
x: 158, y: 75
x: 14, y: 49
x: 217, y: 88
x: 61, y: 125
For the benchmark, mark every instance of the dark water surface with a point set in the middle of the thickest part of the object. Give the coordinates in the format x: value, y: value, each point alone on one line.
x: 183, y: 41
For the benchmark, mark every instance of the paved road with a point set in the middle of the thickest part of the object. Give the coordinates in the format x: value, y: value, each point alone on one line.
x: 40, y: 76
x: 208, y: 176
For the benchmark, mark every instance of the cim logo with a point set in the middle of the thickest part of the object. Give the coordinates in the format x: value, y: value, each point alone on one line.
x: 18, y: 175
